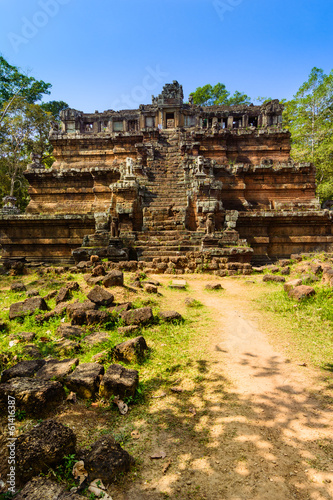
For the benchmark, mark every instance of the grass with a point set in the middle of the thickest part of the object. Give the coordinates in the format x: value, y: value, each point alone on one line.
x: 306, y: 325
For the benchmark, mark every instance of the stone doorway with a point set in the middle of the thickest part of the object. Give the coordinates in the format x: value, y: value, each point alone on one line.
x: 170, y: 120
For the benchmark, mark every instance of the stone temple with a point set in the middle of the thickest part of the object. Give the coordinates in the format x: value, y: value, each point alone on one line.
x: 167, y: 179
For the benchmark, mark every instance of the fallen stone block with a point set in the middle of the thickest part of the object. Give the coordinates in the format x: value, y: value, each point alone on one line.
x: 63, y: 295
x: 276, y: 279
x: 106, y: 460
x: 128, y: 330
x: 114, y: 278
x: 150, y: 288
x: 27, y: 307
x: 130, y: 350
x: 213, y: 286
x: 23, y: 336
x: 17, y: 287
x: 178, y: 284
x: 97, y: 317
x: 96, y: 338
x: 36, y: 397
x: 66, y: 347
x: 119, y: 381
x: 301, y: 292
x: 291, y: 284
x: 85, y: 380
x: 57, y: 369
x: 22, y: 369
x: 40, y: 488
x: 43, y: 447
x: 100, y: 296
x: 170, y: 316
x: 140, y: 316
x: 98, y: 270
x: 68, y: 331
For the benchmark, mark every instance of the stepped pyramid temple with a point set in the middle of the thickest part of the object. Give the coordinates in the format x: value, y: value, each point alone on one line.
x: 166, y: 180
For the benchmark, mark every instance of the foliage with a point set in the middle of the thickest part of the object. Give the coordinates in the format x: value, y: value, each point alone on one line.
x: 24, y: 131
x: 209, y: 95
x: 309, y: 117
x: 24, y: 128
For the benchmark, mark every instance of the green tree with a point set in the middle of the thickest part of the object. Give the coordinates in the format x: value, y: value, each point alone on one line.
x: 309, y: 117
x: 24, y: 131
x: 209, y: 95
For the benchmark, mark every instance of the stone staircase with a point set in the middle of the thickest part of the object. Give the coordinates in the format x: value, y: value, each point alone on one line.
x: 167, y: 243
x: 165, y: 199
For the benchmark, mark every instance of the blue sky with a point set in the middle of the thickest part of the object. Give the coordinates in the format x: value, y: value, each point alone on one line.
x: 107, y: 54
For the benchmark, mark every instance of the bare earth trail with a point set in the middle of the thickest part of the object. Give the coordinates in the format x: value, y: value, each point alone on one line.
x: 269, y: 437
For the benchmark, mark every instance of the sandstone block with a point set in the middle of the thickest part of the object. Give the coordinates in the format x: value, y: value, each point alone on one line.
x: 40, y: 488
x: 140, y: 316
x: 56, y: 369
x: 63, y: 295
x: 150, y: 288
x: 291, y: 284
x: 43, y: 447
x: 17, y: 287
x: 213, y: 286
x: 22, y: 369
x: 27, y: 307
x: 100, y: 296
x: 68, y: 331
x: 130, y: 350
x: 128, y: 330
x: 277, y: 279
x: 106, y: 460
x: 96, y: 338
x: 301, y: 292
x: 85, y: 380
x: 36, y: 397
x: 114, y: 278
x: 170, y: 316
x: 119, y: 381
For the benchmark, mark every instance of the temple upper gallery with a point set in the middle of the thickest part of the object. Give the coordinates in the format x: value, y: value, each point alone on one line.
x: 202, y: 177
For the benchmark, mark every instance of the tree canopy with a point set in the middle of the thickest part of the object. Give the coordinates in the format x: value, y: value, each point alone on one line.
x: 209, y: 95
x: 309, y: 117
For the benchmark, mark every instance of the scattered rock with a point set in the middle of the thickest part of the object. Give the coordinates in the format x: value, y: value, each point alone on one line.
x: 285, y: 271
x: 22, y: 369
x: 291, y: 284
x: 36, y: 397
x: 67, y: 331
x: 93, y: 280
x: 72, y: 286
x: 43, y: 447
x: 189, y: 301
x: 24, y: 336
x: 66, y: 347
x: 98, y: 271
x: 130, y: 350
x: 57, y: 369
x: 179, y: 284
x: 77, y: 311
x: 107, y: 460
x: 85, y: 380
x: 97, y: 317
x: 309, y: 278
x: 17, y: 286
x: 126, y: 306
x: 100, y: 357
x: 150, y: 288
x: 277, y: 279
x: 128, y: 330
x: 119, y: 381
x: 51, y: 295
x: 33, y: 293
x: 170, y: 316
x: 94, y: 259
x: 151, y: 282
x: 97, y: 338
x: 32, y: 351
x: 114, y: 278
x: 139, y: 316
x: 100, y: 296
x: 84, y: 264
x: 40, y: 488
x: 63, y: 295
x: 57, y: 311
x: 301, y: 292
x: 213, y: 286
x: 27, y: 307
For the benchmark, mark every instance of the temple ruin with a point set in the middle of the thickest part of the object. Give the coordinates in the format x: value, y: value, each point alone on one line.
x: 167, y: 179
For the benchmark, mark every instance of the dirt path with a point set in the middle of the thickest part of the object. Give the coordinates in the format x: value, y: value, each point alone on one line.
x: 267, y: 438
